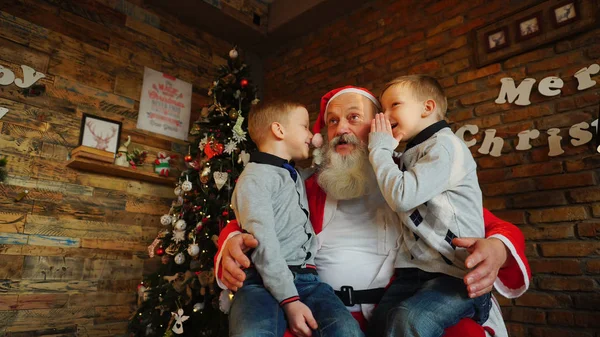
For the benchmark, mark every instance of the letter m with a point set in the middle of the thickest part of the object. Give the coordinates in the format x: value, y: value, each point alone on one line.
x: 519, y: 95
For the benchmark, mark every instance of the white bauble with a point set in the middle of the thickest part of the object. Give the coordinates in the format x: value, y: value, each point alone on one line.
x: 179, y: 258
x: 180, y: 225
x: 193, y: 249
x: 186, y: 186
x: 198, y: 306
x: 166, y: 220
x: 177, y: 191
x: 225, y: 299
x: 233, y: 54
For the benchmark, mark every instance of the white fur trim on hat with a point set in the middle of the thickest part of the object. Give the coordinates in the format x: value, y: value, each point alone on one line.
x: 355, y: 91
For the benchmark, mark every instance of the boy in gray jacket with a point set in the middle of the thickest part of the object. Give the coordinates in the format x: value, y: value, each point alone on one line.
x: 436, y: 192
x: 270, y: 202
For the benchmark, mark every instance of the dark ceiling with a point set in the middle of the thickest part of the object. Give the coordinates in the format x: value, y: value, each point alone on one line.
x: 200, y: 14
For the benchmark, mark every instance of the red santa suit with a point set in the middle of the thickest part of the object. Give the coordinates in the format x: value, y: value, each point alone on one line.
x: 358, y: 240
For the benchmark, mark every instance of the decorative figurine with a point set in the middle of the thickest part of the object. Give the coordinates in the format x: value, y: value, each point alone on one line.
x: 122, y: 154
x: 162, y: 164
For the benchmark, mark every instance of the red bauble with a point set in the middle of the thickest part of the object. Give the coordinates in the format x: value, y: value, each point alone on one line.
x: 225, y: 213
x: 188, y: 158
x: 160, y: 251
x: 244, y: 83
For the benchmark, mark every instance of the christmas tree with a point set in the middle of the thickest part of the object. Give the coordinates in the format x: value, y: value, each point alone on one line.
x: 182, y: 298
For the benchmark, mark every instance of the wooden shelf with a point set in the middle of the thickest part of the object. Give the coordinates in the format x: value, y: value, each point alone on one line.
x: 119, y: 171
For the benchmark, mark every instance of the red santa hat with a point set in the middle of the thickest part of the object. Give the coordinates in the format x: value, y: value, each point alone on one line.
x: 328, y: 97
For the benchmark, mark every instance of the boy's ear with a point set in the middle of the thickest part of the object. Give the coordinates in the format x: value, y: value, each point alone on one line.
x: 429, y: 108
x: 277, y: 130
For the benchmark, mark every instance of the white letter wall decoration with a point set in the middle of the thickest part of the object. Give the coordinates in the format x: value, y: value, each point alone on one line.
x: 7, y: 76
x: 519, y: 95
x: 550, y: 86
x: 472, y: 129
x: 525, y: 137
x: 583, y: 76
x: 30, y: 76
x: 554, y: 142
x: 579, y: 134
x: 489, y: 141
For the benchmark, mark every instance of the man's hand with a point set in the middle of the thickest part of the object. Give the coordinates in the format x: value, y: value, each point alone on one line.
x: 300, y: 319
x: 233, y: 259
x: 486, y: 258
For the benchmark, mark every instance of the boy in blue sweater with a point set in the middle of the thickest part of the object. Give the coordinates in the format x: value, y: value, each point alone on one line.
x: 270, y: 202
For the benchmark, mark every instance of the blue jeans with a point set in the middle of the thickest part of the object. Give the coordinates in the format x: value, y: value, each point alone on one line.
x: 423, y: 304
x: 255, y: 312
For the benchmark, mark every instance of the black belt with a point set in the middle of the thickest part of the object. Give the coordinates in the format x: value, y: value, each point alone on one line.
x: 351, y: 297
x: 309, y: 269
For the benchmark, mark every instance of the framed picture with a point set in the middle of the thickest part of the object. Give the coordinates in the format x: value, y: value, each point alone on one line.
x: 529, y: 26
x: 496, y: 39
x: 564, y: 13
x: 548, y: 21
x: 100, y: 133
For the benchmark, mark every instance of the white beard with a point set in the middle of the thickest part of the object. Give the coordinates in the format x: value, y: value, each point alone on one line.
x: 349, y: 176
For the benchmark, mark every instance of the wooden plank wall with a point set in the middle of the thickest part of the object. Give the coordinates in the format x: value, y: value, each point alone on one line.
x: 72, y: 251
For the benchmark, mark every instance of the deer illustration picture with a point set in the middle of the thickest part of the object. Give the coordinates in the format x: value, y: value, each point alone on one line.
x: 101, y: 140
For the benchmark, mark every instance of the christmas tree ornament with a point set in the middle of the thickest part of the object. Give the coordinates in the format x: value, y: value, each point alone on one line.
x: 179, y: 258
x: 255, y: 101
x: 225, y: 299
x: 160, y: 251
x: 229, y: 78
x: 198, y: 306
x: 220, y: 179
x: 204, y: 179
x: 188, y: 157
x: 180, y: 225
x: 233, y: 54
x: 152, y: 247
x: 214, y: 149
x: 233, y: 114
x: 165, y: 259
x: 244, y: 83
x: 193, y: 249
x: 230, y: 147
x: 199, y: 227
x: 204, y: 112
x: 203, y: 142
x: 244, y: 157
x: 177, y: 191
x: 239, y: 135
x: 186, y: 186
x: 178, y: 236
x: 179, y: 319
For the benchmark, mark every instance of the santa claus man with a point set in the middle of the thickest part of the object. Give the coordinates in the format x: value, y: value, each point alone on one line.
x: 358, y: 232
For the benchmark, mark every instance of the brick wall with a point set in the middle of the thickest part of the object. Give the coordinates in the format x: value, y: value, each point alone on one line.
x: 554, y: 200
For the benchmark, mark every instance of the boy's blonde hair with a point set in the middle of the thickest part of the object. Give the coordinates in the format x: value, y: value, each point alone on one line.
x: 423, y: 87
x: 263, y: 114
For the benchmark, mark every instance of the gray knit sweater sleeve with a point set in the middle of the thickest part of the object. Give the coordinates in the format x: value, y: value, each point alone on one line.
x: 404, y: 191
x: 253, y: 205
